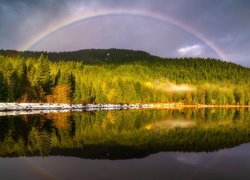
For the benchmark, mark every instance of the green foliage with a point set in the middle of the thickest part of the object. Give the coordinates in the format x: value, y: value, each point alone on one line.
x: 42, y: 77
x: 71, y: 81
x: 3, y: 88
x: 122, y: 76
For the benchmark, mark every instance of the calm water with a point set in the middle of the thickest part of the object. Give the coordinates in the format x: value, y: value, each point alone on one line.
x: 134, y: 144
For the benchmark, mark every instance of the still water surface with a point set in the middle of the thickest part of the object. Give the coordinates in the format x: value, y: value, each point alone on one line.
x: 134, y: 144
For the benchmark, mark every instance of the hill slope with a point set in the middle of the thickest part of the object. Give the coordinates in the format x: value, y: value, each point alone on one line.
x: 89, y: 56
x: 120, y: 76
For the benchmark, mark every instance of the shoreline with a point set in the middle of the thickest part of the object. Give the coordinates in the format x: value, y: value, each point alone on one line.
x: 14, y: 109
x: 55, y: 106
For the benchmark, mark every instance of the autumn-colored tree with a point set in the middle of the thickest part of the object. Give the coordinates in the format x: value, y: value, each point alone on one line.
x: 60, y: 94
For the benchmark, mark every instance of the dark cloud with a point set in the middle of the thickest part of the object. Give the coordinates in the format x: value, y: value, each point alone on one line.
x: 224, y: 22
x: 19, y: 19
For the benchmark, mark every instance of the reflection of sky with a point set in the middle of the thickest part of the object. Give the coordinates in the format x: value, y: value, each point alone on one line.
x: 226, y: 164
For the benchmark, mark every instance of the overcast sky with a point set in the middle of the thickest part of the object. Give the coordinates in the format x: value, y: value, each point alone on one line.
x: 224, y: 23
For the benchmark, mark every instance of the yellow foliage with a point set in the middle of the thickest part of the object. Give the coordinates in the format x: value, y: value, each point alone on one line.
x: 61, y: 94
x: 111, y: 95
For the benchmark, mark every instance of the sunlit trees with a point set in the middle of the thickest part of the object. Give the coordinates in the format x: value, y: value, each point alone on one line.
x: 3, y: 88
x: 60, y: 94
x: 120, y: 77
x: 239, y: 96
x: 71, y: 82
x: 42, y: 79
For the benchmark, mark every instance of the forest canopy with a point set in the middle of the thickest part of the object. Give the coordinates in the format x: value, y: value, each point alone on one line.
x: 119, y: 76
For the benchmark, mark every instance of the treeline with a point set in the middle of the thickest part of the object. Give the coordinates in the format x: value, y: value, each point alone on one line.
x: 107, y: 79
x: 89, y: 56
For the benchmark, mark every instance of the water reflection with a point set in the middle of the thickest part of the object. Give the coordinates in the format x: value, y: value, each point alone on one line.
x: 230, y: 163
x: 123, y: 134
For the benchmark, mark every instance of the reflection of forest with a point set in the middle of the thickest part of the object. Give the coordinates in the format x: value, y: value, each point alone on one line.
x: 123, y: 134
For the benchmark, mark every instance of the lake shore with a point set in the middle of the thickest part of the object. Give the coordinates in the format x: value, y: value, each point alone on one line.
x: 15, y: 109
x: 54, y: 106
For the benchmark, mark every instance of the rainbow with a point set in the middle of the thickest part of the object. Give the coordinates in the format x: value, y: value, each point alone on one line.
x: 49, y: 31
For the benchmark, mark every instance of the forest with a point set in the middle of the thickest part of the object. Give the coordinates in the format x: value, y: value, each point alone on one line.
x: 120, y: 76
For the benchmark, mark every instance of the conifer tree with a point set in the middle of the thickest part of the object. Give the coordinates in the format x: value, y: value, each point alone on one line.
x: 3, y: 88
x: 43, y: 80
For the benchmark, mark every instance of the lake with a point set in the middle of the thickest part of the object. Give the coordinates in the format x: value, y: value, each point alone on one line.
x: 127, y: 144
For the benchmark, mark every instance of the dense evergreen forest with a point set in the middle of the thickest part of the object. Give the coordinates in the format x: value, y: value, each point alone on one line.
x: 119, y: 76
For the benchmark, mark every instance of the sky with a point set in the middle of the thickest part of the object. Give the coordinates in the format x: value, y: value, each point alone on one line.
x: 167, y: 28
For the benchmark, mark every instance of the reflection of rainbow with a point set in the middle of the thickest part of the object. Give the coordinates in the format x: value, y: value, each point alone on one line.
x: 112, y: 12
x: 44, y: 173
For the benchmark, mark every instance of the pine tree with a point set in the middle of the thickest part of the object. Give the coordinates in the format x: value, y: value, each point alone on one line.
x: 57, y: 77
x: 71, y: 81
x: 3, y: 88
x: 43, y: 80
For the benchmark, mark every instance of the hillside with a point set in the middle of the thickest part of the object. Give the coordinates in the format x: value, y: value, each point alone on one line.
x: 120, y: 76
x: 88, y: 56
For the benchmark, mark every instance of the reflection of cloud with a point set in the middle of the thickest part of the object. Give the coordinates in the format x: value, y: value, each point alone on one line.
x: 194, y: 50
x: 180, y: 123
x: 188, y: 158
x: 170, y: 124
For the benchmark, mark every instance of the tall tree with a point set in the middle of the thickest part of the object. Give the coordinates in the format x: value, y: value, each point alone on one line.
x: 71, y: 81
x: 3, y: 88
x: 43, y: 79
